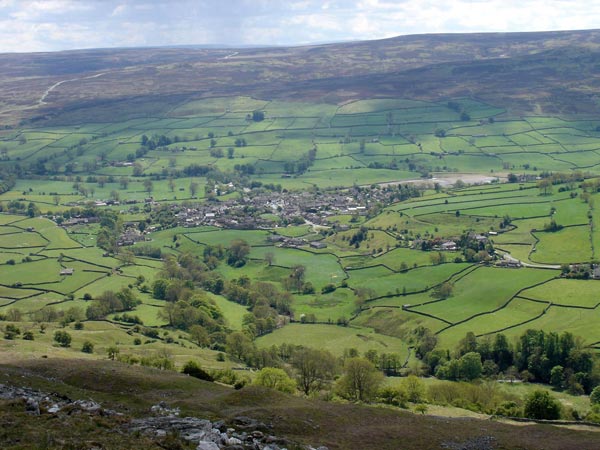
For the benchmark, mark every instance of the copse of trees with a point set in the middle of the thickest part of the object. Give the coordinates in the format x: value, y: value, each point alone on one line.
x: 237, y: 253
x: 111, y: 226
x: 198, y: 310
x: 545, y: 357
x: 156, y: 141
x: 302, y: 164
x: 258, y: 116
x: 110, y: 302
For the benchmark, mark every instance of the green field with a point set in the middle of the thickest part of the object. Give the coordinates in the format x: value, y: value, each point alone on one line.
x: 334, y: 338
x: 385, y: 283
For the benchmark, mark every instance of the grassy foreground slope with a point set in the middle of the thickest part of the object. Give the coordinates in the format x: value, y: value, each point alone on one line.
x: 134, y: 390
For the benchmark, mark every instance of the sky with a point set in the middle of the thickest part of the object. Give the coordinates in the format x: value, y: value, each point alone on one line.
x: 50, y: 25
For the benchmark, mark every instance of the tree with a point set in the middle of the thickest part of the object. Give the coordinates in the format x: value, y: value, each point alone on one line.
x: 443, y: 290
x: 193, y: 188
x: 199, y: 335
x: 437, y: 258
x: 124, y: 182
x: 171, y: 185
x: 360, y: 381
x: 415, y: 389
x: 595, y: 396
x: 237, y: 253
x: 112, y: 352
x: 14, y: 315
x: 148, y: 186
x: 168, y: 313
x: 238, y: 345
x: 269, y: 258
x: 541, y: 405
x: 159, y: 288
x: 62, y: 338
x: 127, y: 257
x: 545, y: 186
x: 313, y: 368
x: 258, y: 116
x: 557, y: 376
x: 274, y: 378
x: 469, y: 366
x: 467, y: 344
x: 296, y: 278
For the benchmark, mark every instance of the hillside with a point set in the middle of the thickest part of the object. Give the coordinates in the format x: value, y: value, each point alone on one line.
x: 499, y: 68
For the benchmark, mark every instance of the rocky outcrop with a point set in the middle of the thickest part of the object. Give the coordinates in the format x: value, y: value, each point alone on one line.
x: 37, y: 402
x: 248, y: 434
x: 245, y: 433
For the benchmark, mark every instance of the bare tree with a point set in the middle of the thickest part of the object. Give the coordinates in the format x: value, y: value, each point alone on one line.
x: 269, y: 258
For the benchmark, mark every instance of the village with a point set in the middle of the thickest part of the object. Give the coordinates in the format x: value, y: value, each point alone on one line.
x: 264, y: 209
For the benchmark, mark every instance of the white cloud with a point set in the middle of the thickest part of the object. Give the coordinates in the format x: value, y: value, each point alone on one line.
x: 61, y: 24
x: 119, y: 10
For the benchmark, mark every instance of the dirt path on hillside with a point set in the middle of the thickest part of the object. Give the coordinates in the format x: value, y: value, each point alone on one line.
x: 42, y: 100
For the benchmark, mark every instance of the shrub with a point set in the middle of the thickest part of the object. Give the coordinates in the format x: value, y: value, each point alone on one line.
x: 509, y: 409
x: 11, y: 331
x: 393, y: 396
x: 87, y: 347
x: 28, y: 336
x: 541, y: 405
x: 150, y: 332
x: 414, y: 388
x: 193, y: 369
x: 274, y: 378
x: 330, y: 287
x: 62, y: 338
x: 112, y: 352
